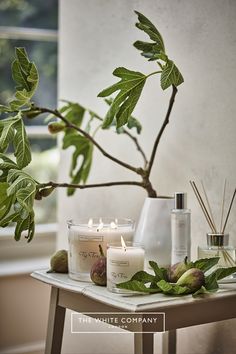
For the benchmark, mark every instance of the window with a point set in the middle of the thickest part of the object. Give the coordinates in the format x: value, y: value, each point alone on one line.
x: 33, y: 24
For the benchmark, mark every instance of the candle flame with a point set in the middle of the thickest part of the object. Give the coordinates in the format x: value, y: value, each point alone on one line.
x: 123, y: 243
x: 113, y: 225
x: 100, y: 226
x: 90, y: 223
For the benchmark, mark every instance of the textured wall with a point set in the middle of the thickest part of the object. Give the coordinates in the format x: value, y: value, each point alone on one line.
x: 199, y: 143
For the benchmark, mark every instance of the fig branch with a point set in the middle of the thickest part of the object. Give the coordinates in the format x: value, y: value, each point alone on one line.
x: 145, y: 173
x: 85, y: 186
x: 158, y: 138
x: 69, y: 125
x: 139, y: 148
x: 131, y: 136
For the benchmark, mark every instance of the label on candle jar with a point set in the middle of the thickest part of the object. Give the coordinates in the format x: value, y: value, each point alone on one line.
x: 85, y: 251
x: 122, y: 264
x: 119, y: 276
x: 92, y: 239
x: 119, y: 263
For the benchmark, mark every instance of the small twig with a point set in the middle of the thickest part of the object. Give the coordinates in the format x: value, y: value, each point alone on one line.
x: 132, y: 137
x: 228, y: 213
x: 158, y: 138
x: 85, y: 186
x: 135, y: 140
x: 209, y: 206
x: 56, y: 113
x: 199, y: 198
x: 223, y: 206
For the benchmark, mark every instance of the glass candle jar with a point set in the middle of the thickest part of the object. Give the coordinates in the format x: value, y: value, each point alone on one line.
x: 218, y: 246
x: 123, y: 263
x: 85, y: 236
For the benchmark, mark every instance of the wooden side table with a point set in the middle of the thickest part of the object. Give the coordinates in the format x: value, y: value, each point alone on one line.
x: 179, y: 312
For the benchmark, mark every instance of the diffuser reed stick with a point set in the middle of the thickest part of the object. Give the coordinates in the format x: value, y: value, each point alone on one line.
x: 208, y: 204
x: 202, y: 205
x: 208, y: 213
x: 229, y: 210
x: 223, y: 206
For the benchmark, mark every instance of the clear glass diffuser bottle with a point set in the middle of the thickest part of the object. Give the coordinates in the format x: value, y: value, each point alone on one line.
x: 218, y: 246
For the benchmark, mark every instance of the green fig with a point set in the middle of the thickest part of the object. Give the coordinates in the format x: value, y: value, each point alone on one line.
x: 98, y: 271
x: 32, y: 114
x: 56, y: 127
x: 193, y: 279
x: 59, y: 262
x: 175, y: 271
x: 45, y: 192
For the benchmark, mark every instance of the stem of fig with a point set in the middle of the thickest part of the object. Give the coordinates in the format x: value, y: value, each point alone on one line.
x: 101, y: 251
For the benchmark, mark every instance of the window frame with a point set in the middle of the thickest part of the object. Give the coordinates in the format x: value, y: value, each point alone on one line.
x: 43, y: 232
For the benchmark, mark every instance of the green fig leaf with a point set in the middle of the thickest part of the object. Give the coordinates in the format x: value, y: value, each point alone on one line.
x: 21, y: 145
x: 130, y: 87
x: 218, y: 274
x: 6, y: 164
x: 25, y: 74
x: 205, y: 264
x: 83, y: 148
x: 172, y: 289
x: 23, y: 225
x: 211, y: 282
x: 160, y: 273
x: 9, y: 219
x: 73, y: 112
x: 143, y: 277
x: 6, y: 201
x: 149, y: 50
x: 137, y: 286
x: 132, y: 121
x: 18, y: 193
x: 171, y: 75
x: 13, y: 131
x: 203, y: 291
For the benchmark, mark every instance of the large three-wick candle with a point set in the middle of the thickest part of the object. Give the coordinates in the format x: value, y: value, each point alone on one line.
x: 85, y: 237
x: 123, y: 261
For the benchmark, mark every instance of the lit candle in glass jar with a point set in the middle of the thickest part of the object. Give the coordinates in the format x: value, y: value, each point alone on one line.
x: 85, y: 237
x: 123, y: 261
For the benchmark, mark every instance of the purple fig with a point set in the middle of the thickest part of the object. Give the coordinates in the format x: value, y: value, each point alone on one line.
x: 193, y: 279
x: 98, y: 273
x: 175, y: 271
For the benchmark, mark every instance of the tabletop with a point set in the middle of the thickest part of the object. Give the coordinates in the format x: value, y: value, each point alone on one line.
x: 134, y: 303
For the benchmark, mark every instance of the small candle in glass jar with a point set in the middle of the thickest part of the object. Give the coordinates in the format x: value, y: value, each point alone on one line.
x: 122, y: 263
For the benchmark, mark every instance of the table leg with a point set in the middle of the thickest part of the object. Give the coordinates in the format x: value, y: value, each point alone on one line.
x: 143, y: 343
x: 55, y: 328
x: 169, y: 342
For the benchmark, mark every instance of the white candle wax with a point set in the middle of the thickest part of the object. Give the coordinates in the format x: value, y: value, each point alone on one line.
x: 84, y: 243
x: 122, y: 264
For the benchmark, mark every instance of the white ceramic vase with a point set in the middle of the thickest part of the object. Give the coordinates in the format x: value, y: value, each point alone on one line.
x: 154, y: 230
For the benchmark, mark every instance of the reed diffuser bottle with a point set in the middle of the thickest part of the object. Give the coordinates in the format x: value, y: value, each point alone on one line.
x: 217, y: 239
x: 218, y: 246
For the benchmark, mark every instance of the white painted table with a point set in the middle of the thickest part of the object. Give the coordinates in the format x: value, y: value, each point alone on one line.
x: 179, y: 312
